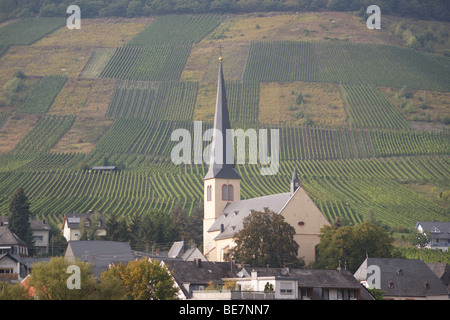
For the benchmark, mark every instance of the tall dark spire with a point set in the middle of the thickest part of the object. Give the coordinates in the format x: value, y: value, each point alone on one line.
x: 295, y: 183
x: 219, y: 167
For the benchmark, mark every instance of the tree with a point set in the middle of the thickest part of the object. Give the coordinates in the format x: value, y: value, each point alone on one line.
x: 412, y: 42
x: 193, y: 230
x: 13, y: 291
x: 88, y: 229
x: 266, y: 239
x: 144, y: 280
x: 134, y: 231
x: 420, y: 239
x: 58, y: 243
x: 116, y: 228
x: 19, y: 220
x: 351, y: 244
x: 49, y: 279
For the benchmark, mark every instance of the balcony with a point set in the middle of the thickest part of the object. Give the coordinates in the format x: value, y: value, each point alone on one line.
x: 9, y: 276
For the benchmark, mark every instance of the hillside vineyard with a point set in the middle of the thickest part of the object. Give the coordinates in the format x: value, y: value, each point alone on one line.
x: 362, y: 117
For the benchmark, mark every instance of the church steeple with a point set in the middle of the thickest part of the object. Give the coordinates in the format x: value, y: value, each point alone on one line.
x: 222, y: 151
x: 295, y: 183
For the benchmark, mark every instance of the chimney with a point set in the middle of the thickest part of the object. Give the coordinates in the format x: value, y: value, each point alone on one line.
x: 222, y: 227
x: 198, y: 262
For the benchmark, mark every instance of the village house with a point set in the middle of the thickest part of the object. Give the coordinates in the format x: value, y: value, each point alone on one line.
x: 11, y: 243
x: 12, y: 269
x: 224, y: 211
x: 439, y: 233
x: 198, y: 275
x: 41, y: 234
x: 402, y: 279
x: 71, y: 224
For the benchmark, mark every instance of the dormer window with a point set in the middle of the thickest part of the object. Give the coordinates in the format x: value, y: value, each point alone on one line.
x: 436, y: 230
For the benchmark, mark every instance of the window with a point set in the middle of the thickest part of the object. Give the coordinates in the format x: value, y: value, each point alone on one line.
x: 230, y: 192
x: 286, y: 288
x: 325, y: 294
x: 305, y: 293
x: 6, y: 270
x: 227, y: 192
x: 208, y: 193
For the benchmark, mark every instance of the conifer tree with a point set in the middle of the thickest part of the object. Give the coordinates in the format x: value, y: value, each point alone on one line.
x: 19, y: 219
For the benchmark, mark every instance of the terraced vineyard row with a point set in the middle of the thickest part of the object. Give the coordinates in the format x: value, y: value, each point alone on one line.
x: 44, y: 93
x: 341, y: 188
x: 27, y: 31
x: 147, y: 63
x: 242, y: 101
x: 152, y: 100
x: 322, y: 143
x: 346, y: 63
x: 177, y: 29
x: 44, y: 135
x: 368, y: 108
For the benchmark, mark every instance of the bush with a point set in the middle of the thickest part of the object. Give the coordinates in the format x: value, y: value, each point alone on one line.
x: 49, y: 10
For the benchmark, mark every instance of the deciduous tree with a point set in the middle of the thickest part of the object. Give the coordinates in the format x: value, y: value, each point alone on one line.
x: 266, y: 239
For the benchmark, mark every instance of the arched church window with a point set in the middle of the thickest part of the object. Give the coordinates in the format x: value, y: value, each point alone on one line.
x: 230, y: 192
x: 225, y: 192
x: 208, y: 193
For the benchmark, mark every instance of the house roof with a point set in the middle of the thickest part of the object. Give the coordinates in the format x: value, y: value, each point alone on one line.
x: 100, y: 252
x: 312, y: 277
x: 218, y: 164
x: 442, y: 271
x: 104, y: 168
x: 437, y: 229
x: 199, y: 273
x: 7, y: 237
x: 35, y: 224
x: 404, y: 277
x: 234, y: 212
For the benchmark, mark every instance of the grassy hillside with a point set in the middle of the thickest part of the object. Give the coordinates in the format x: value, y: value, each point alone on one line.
x: 346, y: 100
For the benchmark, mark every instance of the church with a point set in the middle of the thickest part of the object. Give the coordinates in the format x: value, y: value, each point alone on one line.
x: 224, y: 211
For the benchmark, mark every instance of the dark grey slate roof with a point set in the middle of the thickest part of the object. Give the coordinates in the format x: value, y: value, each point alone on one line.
x: 101, y: 253
x: 104, y: 168
x: 7, y: 237
x: 407, y: 277
x: 234, y: 212
x: 443, y: 227
x: 219, y: 168
x: 317, y: 279
x: 442, y: 271
x: 193, y: 273
x: 35, y: 224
